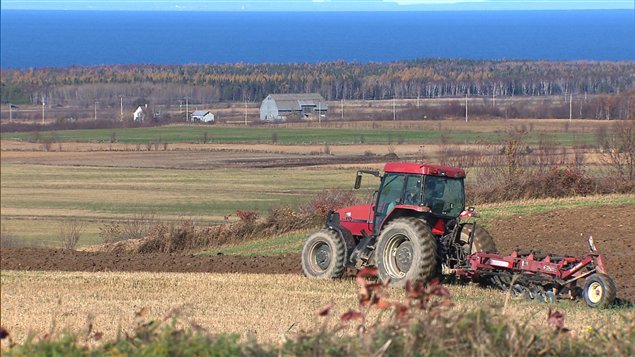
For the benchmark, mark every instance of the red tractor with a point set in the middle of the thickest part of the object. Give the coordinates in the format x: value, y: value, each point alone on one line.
x: 417, y: 228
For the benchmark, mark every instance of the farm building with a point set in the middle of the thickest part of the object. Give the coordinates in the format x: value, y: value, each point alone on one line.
x: 203, y: 116
x: 139, y: 114
x: 286, y: 106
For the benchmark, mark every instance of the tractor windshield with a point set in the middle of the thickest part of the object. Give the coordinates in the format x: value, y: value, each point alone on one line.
x: 444, y: 195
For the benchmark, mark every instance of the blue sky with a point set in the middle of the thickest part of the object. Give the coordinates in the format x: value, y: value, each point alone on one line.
x: 316, y: 5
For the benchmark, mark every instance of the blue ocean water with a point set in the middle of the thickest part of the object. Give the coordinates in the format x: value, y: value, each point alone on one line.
x: 65, y: 38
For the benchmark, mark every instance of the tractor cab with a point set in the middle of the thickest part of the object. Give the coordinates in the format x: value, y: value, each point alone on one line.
x: 431, y: 192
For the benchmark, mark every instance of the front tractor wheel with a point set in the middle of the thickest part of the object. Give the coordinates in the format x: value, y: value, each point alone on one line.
x: 324, y: 255
x: 599, y: 291
x: 406, y: 251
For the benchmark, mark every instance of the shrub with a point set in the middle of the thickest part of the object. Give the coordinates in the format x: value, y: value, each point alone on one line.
x: 321, y: 204
x: 136, y: 227
x: 247, y: 216
x: 70, y: 232
x: 619, y: 149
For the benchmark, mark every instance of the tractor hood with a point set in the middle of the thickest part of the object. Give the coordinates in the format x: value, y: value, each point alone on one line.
x: 356, y: 218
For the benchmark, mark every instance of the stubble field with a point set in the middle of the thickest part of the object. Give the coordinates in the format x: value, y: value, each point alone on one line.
x: 267, y: 307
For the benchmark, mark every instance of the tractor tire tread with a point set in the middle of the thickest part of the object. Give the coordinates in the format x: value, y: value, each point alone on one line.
x: 610, y: 290
x: 425, y: 264
x: 335, y: 270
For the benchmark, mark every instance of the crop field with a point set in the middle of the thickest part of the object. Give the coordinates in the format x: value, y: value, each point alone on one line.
x: 331, y: 133
x: 36, y: 199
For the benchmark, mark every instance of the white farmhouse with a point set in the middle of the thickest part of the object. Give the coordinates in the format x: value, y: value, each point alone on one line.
x: 203, y: 116
x: 139, y: 114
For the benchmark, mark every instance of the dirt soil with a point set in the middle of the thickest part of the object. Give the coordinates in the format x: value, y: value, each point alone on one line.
x: 562, y: 232
x: 67, y: 260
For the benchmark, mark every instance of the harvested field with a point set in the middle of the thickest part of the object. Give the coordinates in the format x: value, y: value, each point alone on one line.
x: 218, y: 156
x: 557, y: 232
x: 192, y: 160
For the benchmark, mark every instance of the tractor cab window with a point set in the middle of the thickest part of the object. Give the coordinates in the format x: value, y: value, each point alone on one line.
x: 444, y: 195
x: 389, y: 196
x: 412, y: 194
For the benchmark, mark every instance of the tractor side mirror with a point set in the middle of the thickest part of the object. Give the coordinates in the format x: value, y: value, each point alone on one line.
x: 358, y: 181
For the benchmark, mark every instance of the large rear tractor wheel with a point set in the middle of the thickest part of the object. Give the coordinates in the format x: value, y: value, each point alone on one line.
x: 483, y: 241
x: 406, y: 250
x: 324, y: 255
x: 599, y: 291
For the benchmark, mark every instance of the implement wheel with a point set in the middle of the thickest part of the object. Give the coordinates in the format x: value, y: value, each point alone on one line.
x: 324, y: 255
x: 599, y: 291
x: 483, y: 241
x: 406, y: 250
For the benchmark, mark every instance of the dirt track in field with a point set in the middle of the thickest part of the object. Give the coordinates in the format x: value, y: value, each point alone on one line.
x: 552, y: 232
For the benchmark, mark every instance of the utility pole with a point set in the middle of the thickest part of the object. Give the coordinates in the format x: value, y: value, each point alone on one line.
x: 245, y: 100
x: 319, y: 112
x: 121, y: 108
x: 466, y: 95
x: 43, y: 106
x: 96, y: 110
x: 187, y: 109
x: 342, y: 108
x: 10, y: 113
x: 570, y: 107
x: 394, y: 109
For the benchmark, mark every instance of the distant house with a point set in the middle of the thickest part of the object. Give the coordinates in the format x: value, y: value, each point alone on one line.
x: 203, y: 116
x: 300, y: 105
x: 139, y: 114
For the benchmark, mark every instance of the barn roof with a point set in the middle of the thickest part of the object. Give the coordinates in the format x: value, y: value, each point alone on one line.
x: 295, y: 101
x: 298, y: 96
x: 200, y: 113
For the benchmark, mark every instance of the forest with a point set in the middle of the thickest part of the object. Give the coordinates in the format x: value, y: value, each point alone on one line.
x: 205, y: 83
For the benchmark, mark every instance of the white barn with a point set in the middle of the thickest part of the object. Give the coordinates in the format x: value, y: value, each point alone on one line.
x: 302, y: 105
x: 139, y: 114
x: 203, y: 116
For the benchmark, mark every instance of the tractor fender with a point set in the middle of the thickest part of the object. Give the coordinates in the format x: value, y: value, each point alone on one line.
x: 333, y: 223
x: 403, y: 210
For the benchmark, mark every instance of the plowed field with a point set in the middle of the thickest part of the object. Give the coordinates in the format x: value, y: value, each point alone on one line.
x: 563, y: 232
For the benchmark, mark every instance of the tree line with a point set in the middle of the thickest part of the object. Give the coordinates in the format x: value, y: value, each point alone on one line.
x: 425, y: 78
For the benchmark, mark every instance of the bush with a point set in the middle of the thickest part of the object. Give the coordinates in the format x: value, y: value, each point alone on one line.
x: 136, y: 227
x: 320, y: 205
x: 554, y: 182
x: 70, y: 233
